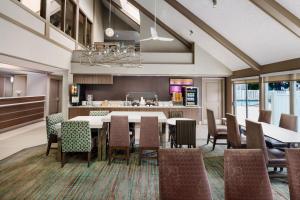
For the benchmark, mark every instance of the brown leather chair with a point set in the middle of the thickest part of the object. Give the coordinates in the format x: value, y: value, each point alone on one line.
x: 149, y: 137
x: 185, y: 134
x: 213, y: 131
x: 245, y: 175
x: 119, y: 137
x: 182, y: 175
x: 293, y: 165
x: 235, y: 139
x: 255, y: 140
x: 288, y: 122
x: 265, y: 116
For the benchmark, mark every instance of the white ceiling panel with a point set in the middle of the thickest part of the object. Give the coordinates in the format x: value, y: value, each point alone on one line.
x: 182, y: 26
x: 249, y: 28
x: 291, y: 5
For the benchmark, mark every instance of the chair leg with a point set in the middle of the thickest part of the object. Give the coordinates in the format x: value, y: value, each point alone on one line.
x: 89, y: 158
x: 63, y: 155
x: 228, y: 145
x: 48, y: 147
x: 214, y: 144
x: 109, y: 156
x: 140, y: 156
x: 208, y: 137
x: 128, y: 153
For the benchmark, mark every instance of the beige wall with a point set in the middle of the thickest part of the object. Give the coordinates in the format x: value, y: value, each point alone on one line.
x: 98, y: 34
x: 20, y: 85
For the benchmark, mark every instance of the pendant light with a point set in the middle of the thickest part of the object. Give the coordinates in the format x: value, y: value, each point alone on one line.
x: 109, y: 32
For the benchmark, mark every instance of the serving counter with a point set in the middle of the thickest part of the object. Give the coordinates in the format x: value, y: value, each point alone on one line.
x: 188, y: 112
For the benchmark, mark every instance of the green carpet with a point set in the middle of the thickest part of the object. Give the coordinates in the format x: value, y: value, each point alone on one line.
x: 29, y: 174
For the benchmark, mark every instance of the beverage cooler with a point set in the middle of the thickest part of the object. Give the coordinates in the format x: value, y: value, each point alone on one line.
x: 190, y: 96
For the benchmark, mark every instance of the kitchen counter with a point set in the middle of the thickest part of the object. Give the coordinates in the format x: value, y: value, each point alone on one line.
x: 193, y: 112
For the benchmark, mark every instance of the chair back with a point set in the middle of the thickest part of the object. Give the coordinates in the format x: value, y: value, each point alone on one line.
x: 186, y: 132
x: 98, y: 112
x: 288, y: 122
x: 119, y: 132
x: 211, y: 123
x: 255, y: 138
x: 293, y: 166
x: 175, y: 114
x: 265, y: 116
x: 182, y: 175
x: 233, y: 131
x: 149, y: 134
x: 51, y: 120
x: 245, y: 175
x: 76, y: 136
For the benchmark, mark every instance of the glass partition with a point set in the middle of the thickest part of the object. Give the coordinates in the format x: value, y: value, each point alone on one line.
x: 278, y: 99
x: 246, y: 103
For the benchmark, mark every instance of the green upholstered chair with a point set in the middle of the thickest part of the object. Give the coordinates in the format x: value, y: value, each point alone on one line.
x: 99, y: 112
x: 76, y: 137
x: 51, y: 121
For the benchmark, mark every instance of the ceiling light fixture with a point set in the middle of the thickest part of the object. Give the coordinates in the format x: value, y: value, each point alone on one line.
x: 215, y: 2
x: 11, y: 79
x: 109, y: 32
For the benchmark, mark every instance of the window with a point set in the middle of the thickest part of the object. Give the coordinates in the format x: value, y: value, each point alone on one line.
x: 81, y: 29
x: 278, y: 99
x: 70, y: 18
x: 85, y: 30
x: 246, y: 103
x: 37, y: 6
x: 56, y: 14
x: 88, y: 33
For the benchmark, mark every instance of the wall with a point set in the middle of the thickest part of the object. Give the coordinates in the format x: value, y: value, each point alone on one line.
x: 19, y: 85
x: 36, y: 84
x: 124, y: 84
x: 98, y: 32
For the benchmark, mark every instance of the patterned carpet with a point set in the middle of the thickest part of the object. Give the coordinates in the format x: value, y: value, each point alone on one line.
x: 29, y: 174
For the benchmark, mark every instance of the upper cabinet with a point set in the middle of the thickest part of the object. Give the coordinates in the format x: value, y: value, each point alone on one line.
x: 92, y: 79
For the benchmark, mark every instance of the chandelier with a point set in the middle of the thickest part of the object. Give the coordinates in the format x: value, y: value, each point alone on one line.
x: 109, y: 54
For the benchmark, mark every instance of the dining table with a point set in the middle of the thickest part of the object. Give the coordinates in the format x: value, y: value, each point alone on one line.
x: 275, y: 132
x: 172, y: 121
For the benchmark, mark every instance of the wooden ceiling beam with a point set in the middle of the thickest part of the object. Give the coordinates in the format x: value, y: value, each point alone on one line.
x: 214, y: 34
x: 142, y: 9
x: 280, y: 14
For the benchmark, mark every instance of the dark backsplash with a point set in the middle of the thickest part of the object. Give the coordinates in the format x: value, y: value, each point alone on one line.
x: 124, y: 84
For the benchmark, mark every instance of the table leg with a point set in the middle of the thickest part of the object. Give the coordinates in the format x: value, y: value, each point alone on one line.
x: 102, y: 142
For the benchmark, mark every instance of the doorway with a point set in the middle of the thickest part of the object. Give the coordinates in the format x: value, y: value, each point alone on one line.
x: 213, y: 98
x: 55, y: 95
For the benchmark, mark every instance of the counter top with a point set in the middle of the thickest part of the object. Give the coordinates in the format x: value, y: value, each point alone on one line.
x: 135, y: 107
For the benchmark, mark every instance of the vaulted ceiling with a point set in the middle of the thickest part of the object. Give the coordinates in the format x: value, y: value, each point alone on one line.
x: 239, y: 33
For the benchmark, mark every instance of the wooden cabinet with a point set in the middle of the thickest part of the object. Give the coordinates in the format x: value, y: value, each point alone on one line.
x: 93, y: 79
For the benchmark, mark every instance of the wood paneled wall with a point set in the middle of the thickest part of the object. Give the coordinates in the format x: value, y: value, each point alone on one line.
x: 20, y: 110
